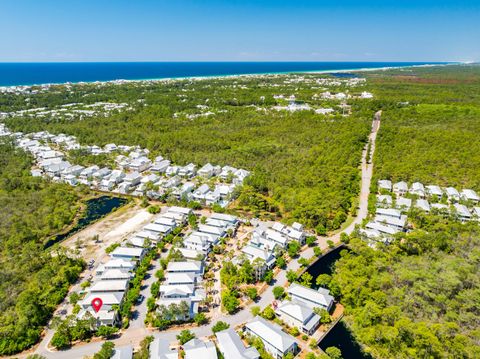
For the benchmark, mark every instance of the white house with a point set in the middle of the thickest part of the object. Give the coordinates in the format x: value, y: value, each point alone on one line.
x: 423, y: 205
x: 452, y: 194
x: 462, y: 212
x: 198, y: 349
x: 106, y: 286
x: 125, y: 352
x: 128, y: 253
x: 470, y: 195
x: 276, y: 342
x: 160, y: 349
x: 385, y: 185
x: 418, y: 189
x: 313, y: 298
x: 232, y: 347
x: 298, y: 314
x: 433, y: 190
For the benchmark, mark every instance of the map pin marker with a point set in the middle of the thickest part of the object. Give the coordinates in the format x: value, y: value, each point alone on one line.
x: 97, y: 304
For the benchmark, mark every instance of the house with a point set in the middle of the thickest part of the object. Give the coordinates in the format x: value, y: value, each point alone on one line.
x: 108, y: 299
x: 160, y: 349
x: 206, y: 171
x: 385, y: 185
x: 160, y: 229
x: 384, y: 200
x: 135, y: 241
x: 198, y: 349
x: 240, y: 176
x: 394, y: 222
x: 121, y: 264
x: 389, y: 212
x: 276, y: 342
x: 133, y: 178
x: 298, y: 314
x: 184, y: 190
x: 106, y: 286
x: 161, y: 166
x: 434, y: 191
x: 403, y: 203
x: 200, y: 193
x: 177, y: 291
x: 140, y: 164
x: 115, y: 274
x: 128, y: 253
x: 171, y: 170
x: 195, y: 267
x: 198, y: 242
x: 253, y: 252
x: 452, y: 194
x: 179, y: 218
x: 116, y: 176
x: 277, y: 237
x: 125, y: 352
x: 70, y: 179
x: 417, y: 189
x: 179, y: 278
x: 470, y: 195
x: 103, y: 317
x: 320, y: 298
x: 182, y: 210
x: 216, y: 231
x: 88, y: 172
x: 102, y: 173
x: 227, y: 172
x: 169, y: 222
x: 462, y: 212
x: 153, y: 236
x: 225, y: 217
x: 232, y: 347
x: 188, y: 171
x: 380, y: 228
x: 423, y: 205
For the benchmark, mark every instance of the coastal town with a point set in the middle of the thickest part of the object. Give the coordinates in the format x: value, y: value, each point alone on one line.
x: 202, y: 269
x: 182, y: 274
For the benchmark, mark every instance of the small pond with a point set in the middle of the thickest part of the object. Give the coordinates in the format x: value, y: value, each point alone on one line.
x: 96, y: 209
x: 325, y: 264
x: 341, y: 338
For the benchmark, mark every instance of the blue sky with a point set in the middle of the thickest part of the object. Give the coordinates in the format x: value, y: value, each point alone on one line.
x: 187, y: 30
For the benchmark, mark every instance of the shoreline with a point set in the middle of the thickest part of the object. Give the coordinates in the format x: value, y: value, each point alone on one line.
x: 220, y: 76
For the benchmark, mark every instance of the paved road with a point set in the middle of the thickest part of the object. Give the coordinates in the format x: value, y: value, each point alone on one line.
x: 136, y: 332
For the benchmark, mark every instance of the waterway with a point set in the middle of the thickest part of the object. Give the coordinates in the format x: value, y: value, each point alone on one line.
x: 97, y: 208
x: 339, y: 336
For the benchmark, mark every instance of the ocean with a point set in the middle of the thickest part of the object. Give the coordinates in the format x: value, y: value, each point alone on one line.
x: 14, y: 74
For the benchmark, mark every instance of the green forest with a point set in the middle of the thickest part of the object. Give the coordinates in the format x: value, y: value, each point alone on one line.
x: 418, y: 297
x: 32, y: 282
x: 305, y: 165
x: 430, y: 125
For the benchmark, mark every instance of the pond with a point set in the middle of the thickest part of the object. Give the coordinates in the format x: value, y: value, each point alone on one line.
x: 96, y: 209
x: 341, y: 338
x: 324, y: 265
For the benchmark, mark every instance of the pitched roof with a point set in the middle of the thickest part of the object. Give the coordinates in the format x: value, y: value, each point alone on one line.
x: 271, y: 333
x: 231, y: 346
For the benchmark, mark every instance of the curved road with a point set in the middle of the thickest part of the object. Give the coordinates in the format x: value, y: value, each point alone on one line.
x: 136, y: 332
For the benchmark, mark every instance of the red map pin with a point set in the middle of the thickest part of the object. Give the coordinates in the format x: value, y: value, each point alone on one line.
x: 97, y: 304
